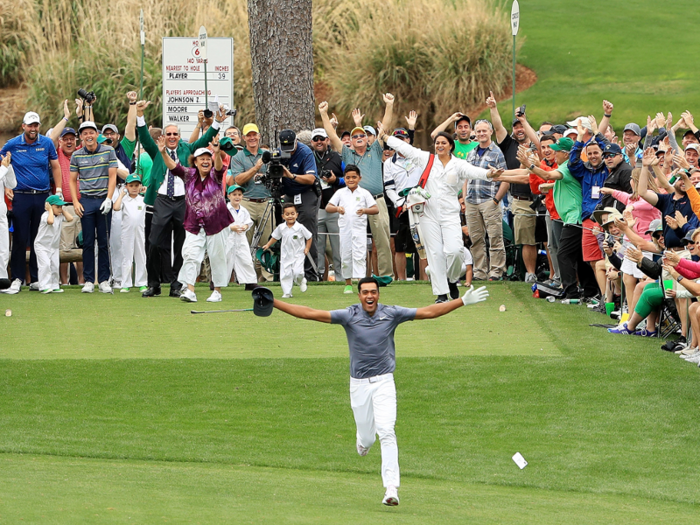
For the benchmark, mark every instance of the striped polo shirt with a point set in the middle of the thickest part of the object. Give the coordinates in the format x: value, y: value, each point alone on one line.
x: 93, y: 169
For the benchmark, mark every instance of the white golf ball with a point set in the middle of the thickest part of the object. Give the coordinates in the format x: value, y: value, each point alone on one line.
x: 8, y: 313
x: 502, y: 308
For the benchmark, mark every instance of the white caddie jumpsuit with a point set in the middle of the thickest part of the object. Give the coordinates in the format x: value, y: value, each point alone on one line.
x: 238, y: 255
x: 440, y: 224
x: 46, y: 244
x: 7, y: 180
x: 353, y: 230
x: 293, y: 242
x: 133, y: 241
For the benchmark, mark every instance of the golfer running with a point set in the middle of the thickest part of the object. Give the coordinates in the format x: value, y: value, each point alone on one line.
x: 370, y: 330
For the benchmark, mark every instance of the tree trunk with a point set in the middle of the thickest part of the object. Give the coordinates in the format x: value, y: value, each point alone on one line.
x: 283, y: 65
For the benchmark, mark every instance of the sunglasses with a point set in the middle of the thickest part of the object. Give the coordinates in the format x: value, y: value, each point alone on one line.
x: 610, y: 155
x: 318, y: 139
x: 359, y: 136
x: 690, y: 243
x: 172, y: 134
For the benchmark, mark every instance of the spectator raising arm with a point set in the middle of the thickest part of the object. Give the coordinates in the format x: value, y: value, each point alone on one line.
x: 645, y: 193
x: 607, y: 113
x: 450, y: 120
x: 58, y: 128
x: 388, y: 120
x: 336, y: 143
x: 501, y: 132
x: 130, y: 129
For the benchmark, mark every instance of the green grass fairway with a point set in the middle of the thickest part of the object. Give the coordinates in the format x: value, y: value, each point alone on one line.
x: 639, y: 55
x: 214, y: 425
x: 122, y: 320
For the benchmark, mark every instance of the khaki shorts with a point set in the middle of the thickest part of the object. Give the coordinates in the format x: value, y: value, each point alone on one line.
x: 524, y: 222
x: 70, y: 231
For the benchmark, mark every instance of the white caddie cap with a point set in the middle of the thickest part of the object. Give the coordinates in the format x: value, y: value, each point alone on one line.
x: 570, y: 131
x: 31, y: 118
x: 202, y: 151
x: 87, y: 125
x: 584, y: 122
x: 319, y: 132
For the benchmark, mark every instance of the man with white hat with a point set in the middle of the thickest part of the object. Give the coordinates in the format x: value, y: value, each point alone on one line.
x: 35, y: 161
x: 96, y: 166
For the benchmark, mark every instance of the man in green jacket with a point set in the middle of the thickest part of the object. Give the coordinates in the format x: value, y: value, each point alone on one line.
x: 166, y: 193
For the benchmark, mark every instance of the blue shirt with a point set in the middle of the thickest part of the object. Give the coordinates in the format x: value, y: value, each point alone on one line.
x: 668, y: 206
x: 590, y: 178
x: 302, y: 162
x: 371, y: 337
x: 31, y: 162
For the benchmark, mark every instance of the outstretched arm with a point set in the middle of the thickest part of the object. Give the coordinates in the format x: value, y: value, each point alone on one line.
x: 501, y: 132
x: 304, y: 312
x: 336, y: 143
x: 437, y: 310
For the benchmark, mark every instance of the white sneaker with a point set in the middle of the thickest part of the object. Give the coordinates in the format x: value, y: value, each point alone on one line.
x: 124, y: 290
x: 88, y: 288
x: 57, y: 290
x: 530, y: 278
x: 116, y: 284
x: 34, y: 287
x: 48, y: 290
x: 188, y: 296
x: 14, y: 288
x: 362, y: 451
x: 302, y: 285
x: 215, y: 297
x: 694, y: 359
x: 687, y: 352
x: 391, y: 497
x: 105, y: 287
x: 287, y: 296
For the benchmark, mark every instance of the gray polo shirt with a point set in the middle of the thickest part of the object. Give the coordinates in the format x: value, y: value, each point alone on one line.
x: 370, y: 165
x: 244, y: 161
x: 371, y: 337
x: 93, y: 169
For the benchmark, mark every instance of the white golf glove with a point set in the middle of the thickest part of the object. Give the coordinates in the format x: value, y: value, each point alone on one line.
x: 473, y: 296
x: 106, y: 206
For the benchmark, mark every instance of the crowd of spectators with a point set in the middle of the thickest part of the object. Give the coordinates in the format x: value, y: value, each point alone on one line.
x: 589, y: 215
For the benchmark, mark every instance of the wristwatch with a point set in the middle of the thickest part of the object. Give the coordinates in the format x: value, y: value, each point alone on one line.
x: 294, y: 176
x: 680, y: 278
x: 532, y: 166
x: 496, y: 201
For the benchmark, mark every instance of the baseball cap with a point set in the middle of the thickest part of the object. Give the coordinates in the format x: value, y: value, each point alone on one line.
x: 250, y: 127
x: 319, y: 132
x: 287, y: 140
x: 688, y: 237
x: 634, y: 128
x: 68, y: 131
x: 111, y: 127
x: 689, y: 132
x: 569, y: 132
x: 31, y: 118
x: 226, y: 145
x: 563, y: 144
x: 55, y: 200
x: 584, y: 122
x: 263, y: 299
x: 346, y: 132
x: 201, y: 151
x: 370, y: 130
x: 268, y: 259
x: 400, y: 132
x: 234, y: 187
x: 655, y: 226
x: 88, y: 124
x: 610, y: 211
x: 463, y: 117
x: 694, y: 146
x: 132, y: 177
x: 357, y: 128
x: 612, y: 148
x: 559, y: 128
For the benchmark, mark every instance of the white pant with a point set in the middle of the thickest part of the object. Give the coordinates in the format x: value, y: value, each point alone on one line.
x: 238, y: 258
x: 133, y: 248
x: 443, y: 248
x: 291, y: 271
x: 193, y: 251
x: 373, y: 403
x: 353, y: 251
x: 4, y: 241
x: 48, y: 262
x: 115, y: 244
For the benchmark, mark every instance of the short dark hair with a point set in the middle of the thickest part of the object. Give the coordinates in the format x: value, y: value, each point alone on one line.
x: 551, y: 138
x: 546, y: 123
x: 352, y: 167
x: 366, y: 280
x: 449, y: 139
x: 288, y: 205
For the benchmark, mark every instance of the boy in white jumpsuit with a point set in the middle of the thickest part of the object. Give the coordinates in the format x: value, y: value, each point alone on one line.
x: 132, y: 211
x: 117, y: 259
x: 238, y: 254
x: 47, y: 242
x: 296, y: 243
x: 353, y: 204
x: 7, y: 180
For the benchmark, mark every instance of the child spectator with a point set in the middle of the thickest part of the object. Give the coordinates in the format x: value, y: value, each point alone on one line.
x: 293, y: 251
x: 7, y: 180
x: 46, y: 244
x: 353, y: 204
x: 238, y: 254
x: 133, y: 238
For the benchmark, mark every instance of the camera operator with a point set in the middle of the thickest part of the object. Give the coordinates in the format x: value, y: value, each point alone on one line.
x: 298, y: 186
x: 329, y: 167
x: 245, y: 170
